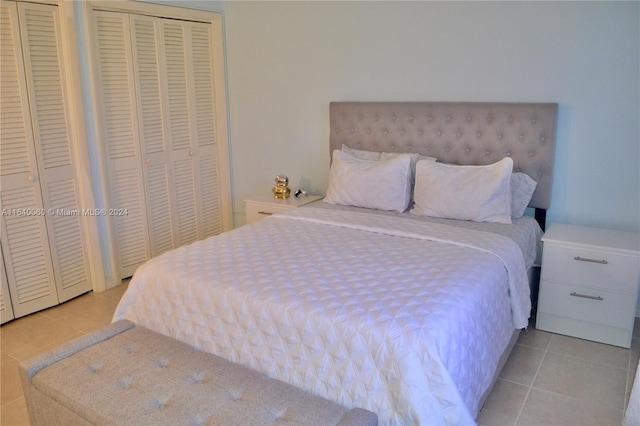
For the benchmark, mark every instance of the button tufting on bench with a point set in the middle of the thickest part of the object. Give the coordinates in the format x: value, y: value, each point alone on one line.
x: 94, y: 368
x: 161, y: 401
x: 125, y: 382
x: 198, y: 421
x: 162, y: 363
x: 235, y: 394
x: 197, y: 378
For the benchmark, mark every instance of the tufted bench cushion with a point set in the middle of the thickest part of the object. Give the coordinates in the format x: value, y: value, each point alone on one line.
x: 125, y: 374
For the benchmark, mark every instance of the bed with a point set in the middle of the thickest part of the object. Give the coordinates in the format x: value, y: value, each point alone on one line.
x: 401, y: 312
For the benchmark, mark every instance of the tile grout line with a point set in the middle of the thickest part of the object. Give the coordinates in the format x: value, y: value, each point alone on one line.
x: 533, y: 380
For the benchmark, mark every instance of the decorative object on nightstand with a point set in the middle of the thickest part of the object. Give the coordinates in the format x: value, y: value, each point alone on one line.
x: 281, y: 188
x: 589, y: 283
x: 263, y: 205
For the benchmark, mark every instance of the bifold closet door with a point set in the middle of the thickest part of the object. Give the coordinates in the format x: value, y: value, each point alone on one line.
x: 173, y: 65
x: 159, y: 73
x: 43, y: 244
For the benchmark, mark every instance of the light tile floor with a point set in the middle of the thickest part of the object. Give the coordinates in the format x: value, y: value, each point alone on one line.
x: 549, y: 379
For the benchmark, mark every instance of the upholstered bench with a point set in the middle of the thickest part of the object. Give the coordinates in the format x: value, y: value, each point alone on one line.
x: 125, y: 374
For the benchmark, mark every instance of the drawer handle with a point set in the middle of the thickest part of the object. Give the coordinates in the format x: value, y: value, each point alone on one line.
x: 586, y: 259
x: 586, y: 296
x: 265, y: 213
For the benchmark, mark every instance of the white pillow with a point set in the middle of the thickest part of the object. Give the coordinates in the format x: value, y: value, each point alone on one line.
x: 376, y: 156
x: 382, y: 184
x: 522, y: 188
x: 477, y: 193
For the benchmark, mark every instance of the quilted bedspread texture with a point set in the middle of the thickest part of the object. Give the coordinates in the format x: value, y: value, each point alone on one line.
x: 398, y: 316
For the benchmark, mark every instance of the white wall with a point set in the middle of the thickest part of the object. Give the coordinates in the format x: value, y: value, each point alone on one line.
x: 287, y: 60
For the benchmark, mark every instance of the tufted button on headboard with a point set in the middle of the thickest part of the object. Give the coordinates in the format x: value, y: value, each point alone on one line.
x: 465, y: 133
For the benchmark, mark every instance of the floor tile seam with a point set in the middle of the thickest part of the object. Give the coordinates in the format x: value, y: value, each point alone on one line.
x: 11, y: 400
x: 605, y: 406
x: 49, y: 346
x: 64, y: 323
x: 588, y: 361
x: 533, y: 380
x: 15, y: 323
x: 513, y: 382
x: 538, y: 348
x: 530, y: 387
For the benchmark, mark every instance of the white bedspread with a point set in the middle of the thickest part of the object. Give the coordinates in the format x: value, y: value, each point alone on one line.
x: 404, y: 318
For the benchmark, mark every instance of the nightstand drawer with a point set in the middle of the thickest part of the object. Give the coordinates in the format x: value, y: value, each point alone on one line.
x: 601, y: 269
x: 586, y: 304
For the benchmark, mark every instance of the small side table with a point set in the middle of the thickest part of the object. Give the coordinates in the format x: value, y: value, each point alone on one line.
x: 589, y: 283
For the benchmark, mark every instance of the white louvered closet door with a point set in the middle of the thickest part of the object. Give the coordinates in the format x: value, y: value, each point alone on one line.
x: 119, y: 128
x: 44, y: 248
x: 204, y: 149
x: 42, y: 46
x: 181, y: 128
x: 154, y: 132
x: 24, y: 231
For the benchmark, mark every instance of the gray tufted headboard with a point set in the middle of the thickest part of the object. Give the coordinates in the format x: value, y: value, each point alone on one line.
x: 466, y: 133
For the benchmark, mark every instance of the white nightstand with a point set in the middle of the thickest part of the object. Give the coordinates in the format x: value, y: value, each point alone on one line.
x: 264, y: 205
x: 589, y: 283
